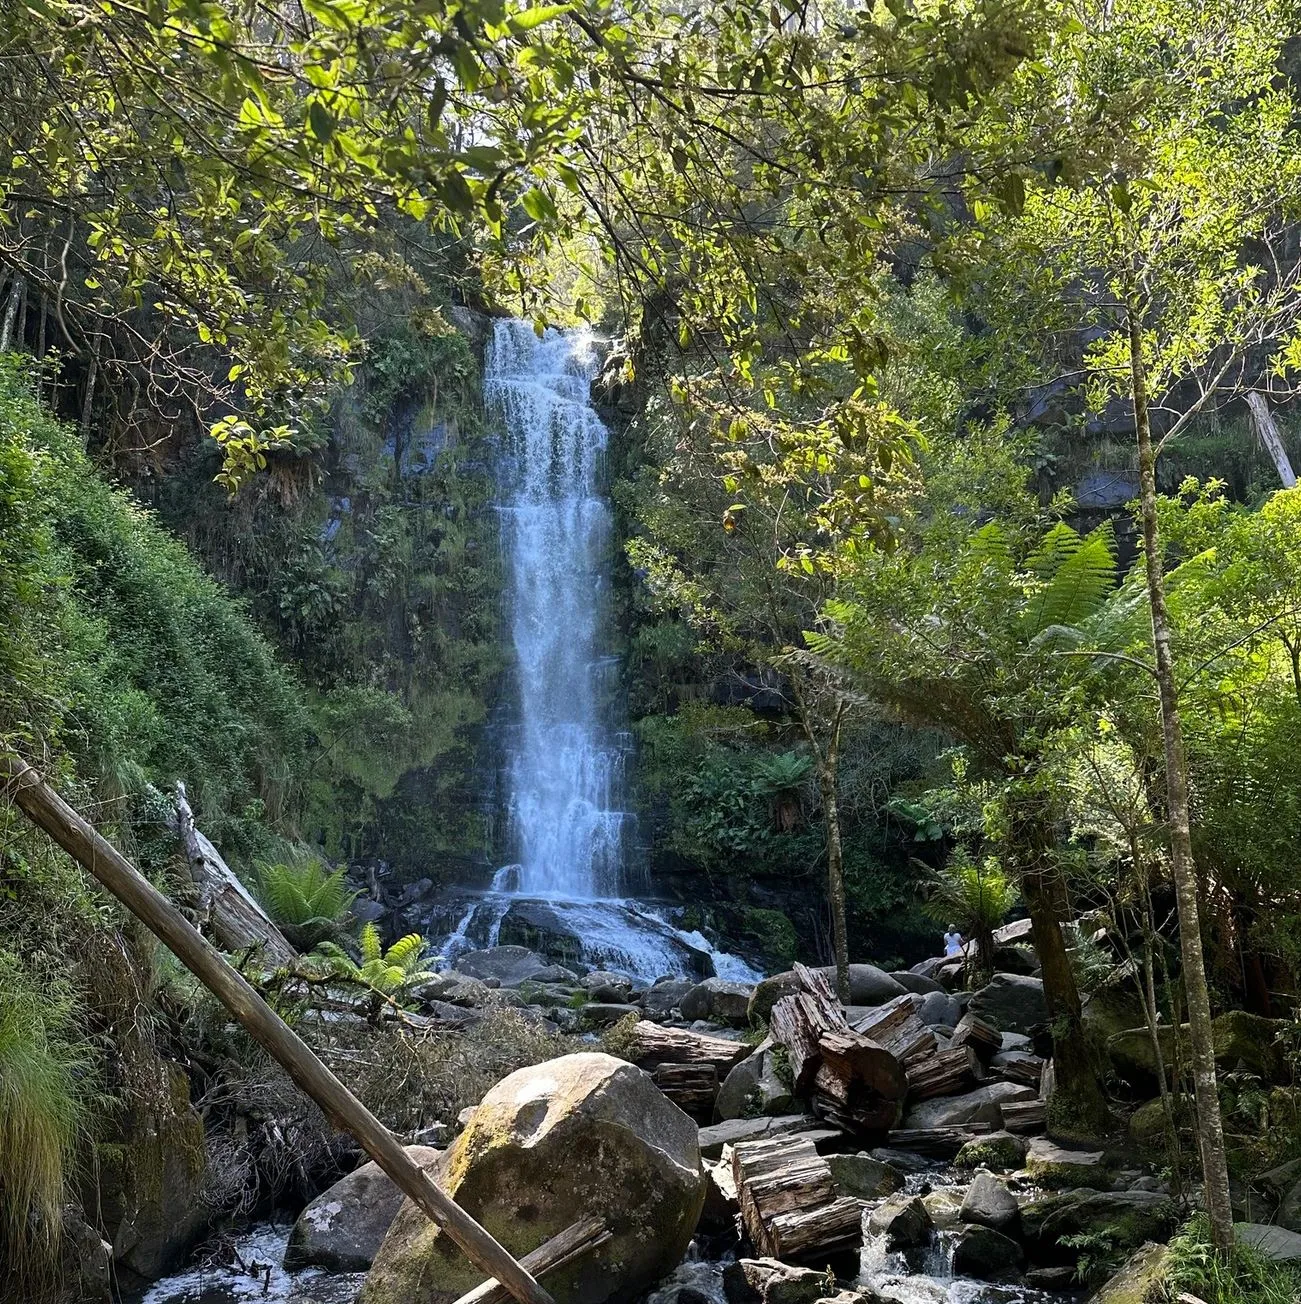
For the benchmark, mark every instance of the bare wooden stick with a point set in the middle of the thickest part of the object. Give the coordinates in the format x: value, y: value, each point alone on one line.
x: 45, y: 808
x: 563, y: 1248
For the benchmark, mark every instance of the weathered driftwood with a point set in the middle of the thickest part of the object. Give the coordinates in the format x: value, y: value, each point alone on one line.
x: 693, y: 1088
x: 563, y: 1248
x: 982, y: 1037
x: 896, y: 1027
x: 656, y: 1045
x: 1024, y: 1116
x: 45, y: 808
x: 847, y: 1077
x: 235, y: 919
x: 1270, y: 439
x: 936, y: 1142
x: 943, y: 1074
x: 790, y: 1204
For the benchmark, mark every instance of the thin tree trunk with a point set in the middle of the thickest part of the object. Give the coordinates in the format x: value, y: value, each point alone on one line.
x: 1270, y: 439
x: 11, y: 312
x: 88, y: 402
x: 1210, y: 1126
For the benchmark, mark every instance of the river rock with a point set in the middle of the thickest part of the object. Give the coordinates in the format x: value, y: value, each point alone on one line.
x: 868, y: 985
x: 986, y: 1254
x: 509, y: 965
x: 769, y: 1281
x: 1129, y: 1217
x: 1138, y: 1279
x: 863, y: 1177
x: 577, y: 1135
x: 989, y: 1203
x: 342, y: 1229
x: 718, y: 1000
x: 1012, y: 1002
x: 320, y: 1289
x: 939, y: 1010
x: 916, y: 982
x: 903, y: 1221
x: 1289, y: 1209
x: 752, y: 1087
x: 597, y: 1014
x: 998, y: 1151
x: 984, y: 1105
x: 602, y: 985
x: 1056, y: 1168
x: 665, y: 996
x: 1276, y: 1243
x: 1242, y: 1041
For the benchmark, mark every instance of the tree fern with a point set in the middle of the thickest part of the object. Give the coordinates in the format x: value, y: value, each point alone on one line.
x: 1076, y: 577
x: 386, y: 972
x: 308, y: 902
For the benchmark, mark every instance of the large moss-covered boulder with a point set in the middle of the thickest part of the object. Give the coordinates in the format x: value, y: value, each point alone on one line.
x: 547, y: 1145
x: 1138, y: 1279
x: 1129, y: 1218
x: 1243, y: 1041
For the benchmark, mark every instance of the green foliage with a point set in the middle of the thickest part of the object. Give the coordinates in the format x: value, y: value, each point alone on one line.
x: 386, y: 972
x: 976, y: 896
x: 307, y: 901
x: 44, y: 1093
x: 1246, y: 1277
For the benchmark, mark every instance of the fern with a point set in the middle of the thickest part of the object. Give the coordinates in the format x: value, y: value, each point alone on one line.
x: 1077, y: 575
x: 306, y: 901
x: 387, y: 973
x: 372, y: 948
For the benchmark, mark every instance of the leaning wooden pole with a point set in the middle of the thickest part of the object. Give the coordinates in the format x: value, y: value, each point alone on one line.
x: 44, y: 807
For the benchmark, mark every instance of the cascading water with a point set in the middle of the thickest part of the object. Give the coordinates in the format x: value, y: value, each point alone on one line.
x: 564, y: 774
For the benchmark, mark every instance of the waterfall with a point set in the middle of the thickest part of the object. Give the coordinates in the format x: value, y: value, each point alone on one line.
x: 564, y: 777
x: 565, y: 760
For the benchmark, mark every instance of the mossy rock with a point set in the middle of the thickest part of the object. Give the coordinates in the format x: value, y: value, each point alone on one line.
x: 998, y: 1151
x: 1127, y: 1218
x: 1055, y: 1168
x: 1242, y: 1040
x: 548, y: 1145
x: 1139, y: 1281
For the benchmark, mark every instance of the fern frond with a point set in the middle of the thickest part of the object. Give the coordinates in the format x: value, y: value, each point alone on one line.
x: 407, y: 952
x: 1079, y: 574
x: 372, y: 948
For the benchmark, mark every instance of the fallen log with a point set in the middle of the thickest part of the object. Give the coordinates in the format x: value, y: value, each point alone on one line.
x: 1025, y: 1116
x: 562, y: 1249
x: 693, y: 1088
x: 896, y: 1027
x: 655, y: 1045
x: 45, y: 808
x: 1018, y: 1066
x: 982, y: 1037
x: 936, y: 1142
x: 944, y: 1074
x: 790, y: 1204
x: 847, y: 1078
x: 236, y: 920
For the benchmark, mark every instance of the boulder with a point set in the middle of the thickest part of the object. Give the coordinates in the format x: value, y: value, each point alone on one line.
x: 989, y: 1203
x: 1138, y: 1279
x: 997, y: 1151
x: 986, y: 1254
x: 868, y: 985
x: 944, y: 1204
x: 602, y: 985
x: 863, y: 1177
x: 1056, y: 1168
x: 904, y: 1221
x: 547, y: 1145
x: 769, y: 1281
x: 343, y: 1228
x: 1012, y: 1002
x: 1276, y: 1243
x: 916, y: 982
x: 1243, y: 1041
x: 509, y: 965
x: 596, y: 1014
x: 665, y: 996
x: 467, y: 991
x: 984, y: 1105
x: 1129, y: 1217
x: 753, y: 1088
x: 939, y: 1010
x: 719, y: 1001
x: 1289, y: 1209
x: 735, y: 1130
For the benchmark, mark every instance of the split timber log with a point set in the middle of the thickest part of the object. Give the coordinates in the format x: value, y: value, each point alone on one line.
x: 656, y: 1045
x: 790, y: 1204
x: 1025, y: 1116
x: 45, y: 808
x: 944, y: 1074
x: 693, y: 1088
x: 982, y: 1037
x: 896, y: 1027
x: 237, y: 921
x: 562, y: 1249
x: 936, y: 1142
x: 848, y: 1078
x: 1019, y: 1066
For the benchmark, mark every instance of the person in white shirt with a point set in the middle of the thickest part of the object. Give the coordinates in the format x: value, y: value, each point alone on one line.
x: 952, y: 941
